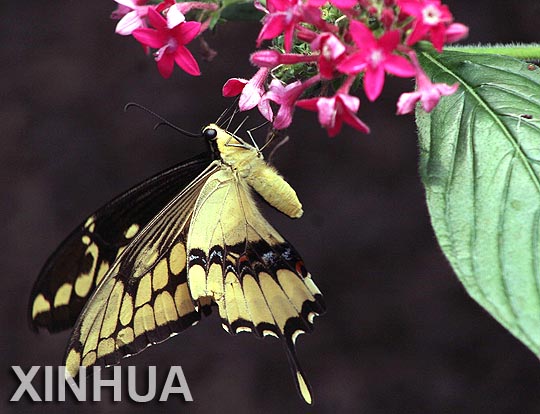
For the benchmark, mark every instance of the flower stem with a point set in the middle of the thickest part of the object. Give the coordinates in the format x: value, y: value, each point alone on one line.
x: 520, y: 51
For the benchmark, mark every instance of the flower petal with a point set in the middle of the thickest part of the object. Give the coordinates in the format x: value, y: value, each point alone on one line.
x: 149, y: 37
x: 175, y: 17
x: 156, y: 19
x: 186, y: 61
x: 186, y: 32
x: 399, y: 66
x: 362, y: 36
x: 407, y: 102
x: 166, y: 65
x: 233, y: 87
x: 128, y: 23
x: 374, y: 82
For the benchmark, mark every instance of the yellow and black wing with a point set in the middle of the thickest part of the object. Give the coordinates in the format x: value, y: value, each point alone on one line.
x: 240, y: 262
x: 144, y: 298
x: 72, y: 273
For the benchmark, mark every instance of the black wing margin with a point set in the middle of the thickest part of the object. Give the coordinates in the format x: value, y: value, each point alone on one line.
x: 73, y: 271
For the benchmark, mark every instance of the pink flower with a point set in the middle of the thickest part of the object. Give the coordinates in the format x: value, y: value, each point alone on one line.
x: 333, y: 111
x: 170, y: 43
x: 427, y: 92
x: 431, y: 18
x: 331, y: 52
x: 455, y: 32
x: 286, y: 96
x: 132, y: 15
x: 375, y: 56
x: 271, y: 58
x: 250, y: 91
x: 284, y: 15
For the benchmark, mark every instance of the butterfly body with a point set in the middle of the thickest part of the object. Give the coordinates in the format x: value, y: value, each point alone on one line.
x: 205, y: 244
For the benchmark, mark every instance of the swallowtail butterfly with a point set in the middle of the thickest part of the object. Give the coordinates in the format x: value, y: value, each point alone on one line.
x: 149, y: 263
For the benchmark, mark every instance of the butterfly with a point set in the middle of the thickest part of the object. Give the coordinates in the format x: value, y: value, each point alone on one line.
x: 148, y: 264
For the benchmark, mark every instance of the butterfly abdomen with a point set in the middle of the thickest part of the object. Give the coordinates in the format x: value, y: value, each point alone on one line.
x: 274, y: 189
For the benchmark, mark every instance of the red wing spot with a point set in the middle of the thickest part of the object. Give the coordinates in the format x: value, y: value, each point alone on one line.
x: 300, y: 268
x: 242, y: 259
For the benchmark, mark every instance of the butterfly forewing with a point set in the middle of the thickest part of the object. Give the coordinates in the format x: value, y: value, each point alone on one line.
x: 71, y: 274
x: 144, y: 299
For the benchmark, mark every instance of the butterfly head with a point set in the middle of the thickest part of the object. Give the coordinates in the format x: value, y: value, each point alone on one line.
x: 228, y: 146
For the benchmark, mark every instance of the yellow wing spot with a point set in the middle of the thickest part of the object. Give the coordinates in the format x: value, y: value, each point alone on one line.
x: 91, y: 341
x: 92, y: 227
x: 86, y: 240
x: 177, y: 258
x: 235, y: 303
x: 40, y: 305
x: 144, y: 291
x: 89, y: 359
x: 311, y: 285
x: 268, y: 332
x: 125, y: 336
x: 294, y: 288
x: 106, y: 347
x: 73, y: 362
x: 256, y: 302
x: 103, y: 269
x: 144, y: 320
x: 126, y: 311
x: 182, y: 299
x: 160, y: 275
x: 110, y: 320
x: 197, y: 282
x: 164, y: 309
x: 62, y: 295
x: 131, y: 231
x: 304, y: 390
x: 90, y: 220
x: 83, y: 284
x: 215, y: 282
x: 279, y: 304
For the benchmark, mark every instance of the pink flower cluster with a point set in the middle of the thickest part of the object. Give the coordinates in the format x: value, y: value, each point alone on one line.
x: 163, y: 27
x: 367, y: 39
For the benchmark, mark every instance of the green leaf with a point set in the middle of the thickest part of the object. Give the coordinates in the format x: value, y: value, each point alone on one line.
x: 480, y: 165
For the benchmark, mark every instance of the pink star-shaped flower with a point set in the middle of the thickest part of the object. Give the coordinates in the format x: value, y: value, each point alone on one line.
x: 170, y: 43
x: 250, y: 91
x: 331, y: 52
x: 333, y: 111
x: 431, y: 18
x: 375, y: 57
x: 427, y: 92
x: 283, y: 16
x: 286, y: 96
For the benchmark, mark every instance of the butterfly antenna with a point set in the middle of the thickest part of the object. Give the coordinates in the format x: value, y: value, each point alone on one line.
x: 241, y: 124
x: 250, y: 133
x: 276, y: 147
x: 220, y: 121
x: 162, y: 120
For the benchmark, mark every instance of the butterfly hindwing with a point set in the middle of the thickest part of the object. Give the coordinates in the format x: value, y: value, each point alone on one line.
x: 72, y: 273
x: 144, y: 299
x: 256, y: 278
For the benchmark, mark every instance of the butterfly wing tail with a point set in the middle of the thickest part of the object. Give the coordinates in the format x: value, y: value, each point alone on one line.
x: 302, y: 385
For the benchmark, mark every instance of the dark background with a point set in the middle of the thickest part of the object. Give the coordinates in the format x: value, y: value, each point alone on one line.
x: 400, y: 336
